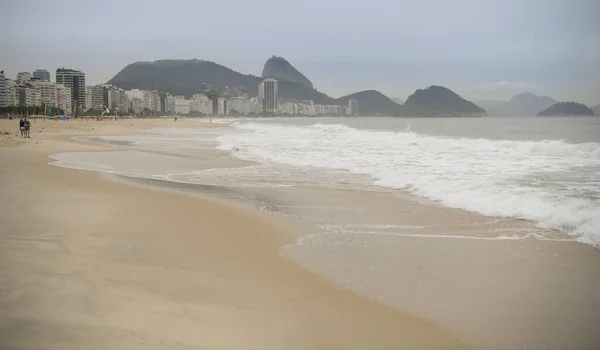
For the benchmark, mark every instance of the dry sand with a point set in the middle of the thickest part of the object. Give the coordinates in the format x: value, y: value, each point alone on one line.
x: 87, y: 263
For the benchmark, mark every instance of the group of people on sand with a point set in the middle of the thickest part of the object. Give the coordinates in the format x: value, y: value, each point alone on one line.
x: 24, y: 126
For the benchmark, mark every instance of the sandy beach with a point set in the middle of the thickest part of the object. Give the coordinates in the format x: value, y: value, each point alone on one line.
x: 91, y: 263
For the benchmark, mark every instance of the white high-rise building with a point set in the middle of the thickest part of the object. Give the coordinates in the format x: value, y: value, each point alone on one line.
x: 63, y: 98
x: 268, y: 91
x: 170, y: 108
x: 137, y: 105
x: 222, y: 106
x: 123, y: 102
x: 29, y: 97
x: 241, y: 105
x: 204, y: 104
x: 97, y: 98
x: 151, y: 100
x: 182, y: 106
x: 47, y: 92
x: 353, y: 108
x: 5, y: 98
x: 88, y: 97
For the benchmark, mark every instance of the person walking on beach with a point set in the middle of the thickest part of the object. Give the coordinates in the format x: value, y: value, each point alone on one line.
x: 22, y: 127
x: 27, y: 125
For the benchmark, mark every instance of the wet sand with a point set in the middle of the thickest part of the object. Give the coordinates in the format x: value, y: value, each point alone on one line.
x: 86, y: 262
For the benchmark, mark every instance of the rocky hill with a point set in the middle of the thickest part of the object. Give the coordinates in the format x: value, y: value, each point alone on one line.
x: 566, y: 109
x: 280, y: 68
x: 371, y: 103
x: 187, y: 77
x: 439, y: 101
x: 596, y: 110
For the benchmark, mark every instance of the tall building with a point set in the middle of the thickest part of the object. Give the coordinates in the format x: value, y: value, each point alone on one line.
x: 47, y: 92
x: 63, y: 98
x: 182, y: 106
x: 353, y: 108
x: 137, y: 105
x: 5, y: 98
x: 110, y: 97
x: 97, y: 98
x: 267, y: 90
x: 240, y: 105
x: 163, y: 101
x: 29, y: 97
x: 152, y: 100
x: 75, y: 80
x: 123, y: 101
x: 222, y: 106
x: 88, y: 97
x: 41, y: 74
x: 170, y: 101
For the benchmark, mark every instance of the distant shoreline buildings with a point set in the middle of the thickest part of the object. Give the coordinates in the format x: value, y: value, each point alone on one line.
x: 71, y: 96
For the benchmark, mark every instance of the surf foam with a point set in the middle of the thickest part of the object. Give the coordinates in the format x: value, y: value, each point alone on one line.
x: 552, y: 182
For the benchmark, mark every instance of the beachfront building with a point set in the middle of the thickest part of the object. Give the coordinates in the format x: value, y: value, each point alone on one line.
x: 63, y: 98
x: 137, y: 105
x: 88, y: 97
x: 41, y: 74
x: 47, y: 91
x: 182, y: 106
x: 151, y: 100
x: 74, y: 80
x: 268, y: 92
x: 123, y: 102
x: 203, y: 104
x: 353, y: 108
x: 240, y: 105
x: 222, y: 106
x: 97, y: 98
x: 170, y: 104
x: 5, y: 98
x: 29, y: 97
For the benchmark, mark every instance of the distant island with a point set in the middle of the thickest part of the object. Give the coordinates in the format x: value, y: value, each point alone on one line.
x: 596, y: 109
x: 189, y: 77
x: 372, y: 102
x: 441, y: 102
x: 566, y: 109
x: 525, y: 104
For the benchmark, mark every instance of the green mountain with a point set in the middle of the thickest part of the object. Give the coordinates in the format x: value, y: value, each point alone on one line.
x: 566, y: 109
x: 438, y: 101
x: 279, y: 68
x: 187, y: 77
x: 371, y: 103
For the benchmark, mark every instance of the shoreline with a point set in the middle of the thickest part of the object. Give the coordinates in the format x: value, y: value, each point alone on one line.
x: 100, y: 264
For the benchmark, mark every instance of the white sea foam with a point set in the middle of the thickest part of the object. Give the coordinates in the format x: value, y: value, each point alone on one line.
x: 552, y: 182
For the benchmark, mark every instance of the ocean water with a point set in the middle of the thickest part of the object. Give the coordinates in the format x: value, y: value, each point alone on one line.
x: 546, y: 170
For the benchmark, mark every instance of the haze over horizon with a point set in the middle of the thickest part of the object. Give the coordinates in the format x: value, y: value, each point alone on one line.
x: 482, y: 50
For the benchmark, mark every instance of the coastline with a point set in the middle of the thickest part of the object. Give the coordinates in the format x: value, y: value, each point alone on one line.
x: 100, y: 264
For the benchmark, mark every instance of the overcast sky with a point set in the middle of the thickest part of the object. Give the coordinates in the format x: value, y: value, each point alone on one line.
x: 482, y: 49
